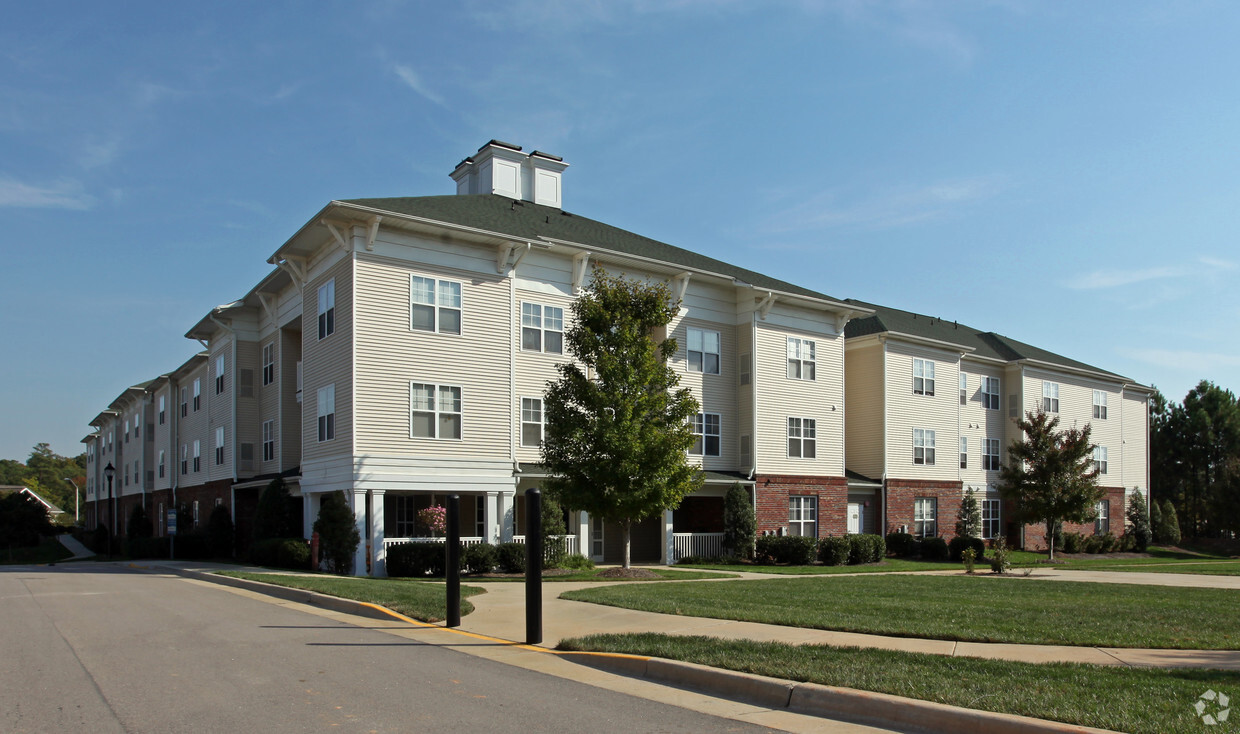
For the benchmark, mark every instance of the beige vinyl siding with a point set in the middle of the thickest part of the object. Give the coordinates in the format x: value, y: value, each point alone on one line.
x: 863, y: 415
x: 326, y: 362
x: 907, y: 411
x: 391, y: 356
x: 220, y: 409
x: 288, y: 425
x: 195, y: 426
x: 248, y: 383
x: 714, y: 393
x: 1076, y: 407
x: 978, y: 422
x: 269, y: 404
x: 744, y: 393
x: 534, y: 369
x: 779, y: 397
x: 163, y: 436
x: 1134, y: 408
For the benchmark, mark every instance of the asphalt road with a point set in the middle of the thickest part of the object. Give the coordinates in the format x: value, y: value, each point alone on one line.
x: 102, y: 648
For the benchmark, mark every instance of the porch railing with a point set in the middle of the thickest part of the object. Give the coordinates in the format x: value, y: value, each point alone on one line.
x: 709, y: 545
x: 389, y: 542
x: 570, y: 541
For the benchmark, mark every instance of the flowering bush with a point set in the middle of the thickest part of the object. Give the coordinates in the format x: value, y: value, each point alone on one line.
x: 434, y: 518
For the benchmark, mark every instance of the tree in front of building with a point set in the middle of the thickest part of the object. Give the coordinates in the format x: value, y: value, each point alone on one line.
x: 338, y: 534
x: 1169, y: 528
x: 273, y: 517
x: 1139, y: 522
x: 969, y: 516
x: 740, y: 526
x: 1050, y: 476
x: 23, y: 520
x: 139, y: 525
x: 617, y: 424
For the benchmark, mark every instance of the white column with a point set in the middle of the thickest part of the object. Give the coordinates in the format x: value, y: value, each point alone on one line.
x: 310, y: 512
x: 669, y: 547
x: 507, y: 514
x: 359, y: 520
x: 582, y: 531
x: 491, y: 517
x: 377, y: 534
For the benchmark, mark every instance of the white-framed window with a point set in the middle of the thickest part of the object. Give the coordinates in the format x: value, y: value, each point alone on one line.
x: 964, y: 452
x: 1050, y: 397
x: 1100, y: 404
x: 126, y: 430
x: 706, y: 435
x: 184, y: 459
x: 269, y: 440
x: 531, y: 421
x: 990, y: 393
x: 137, y: 473
x: 990, y: 454
x: 219, y: 374
x: 802, y: 358
x: 195, y: 513
x: 1102, y: 519
x: 923, y: 377
x: 197, y: 455
x: 327, y: 309
x: 803, y: 516
x: 923, y: 446
x: 542, y: 328
x: 184, y: 403
x: 269, y: 364
x: 197, y: 394
x: 990, y: 519
x: 434, y: 411
x: 161, y: 464
x: 925, y: 517
x: 1100, y: 459
x: 434, y: 305
x: 802, y: 438
x: 702, y: 351
x: 326, y: 405
x: 219, y: 445
x: 125, y: 473
x: 406, y: 516
x: 964, y: 389
x: 137, y: 425
x: 163, y: 409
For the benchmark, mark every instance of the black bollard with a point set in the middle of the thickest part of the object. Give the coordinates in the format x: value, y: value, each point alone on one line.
x: 452, y: 561
x: 533, y: 566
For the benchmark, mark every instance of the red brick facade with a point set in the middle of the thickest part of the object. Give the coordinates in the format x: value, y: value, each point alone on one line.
x: 774, y: 490
x: 902, y: 492
x: 1035, y: 533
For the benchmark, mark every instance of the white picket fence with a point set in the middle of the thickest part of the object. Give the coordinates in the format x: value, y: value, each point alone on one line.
x: 389, y: 542
x: 708, y: 545
x: 570, y: 541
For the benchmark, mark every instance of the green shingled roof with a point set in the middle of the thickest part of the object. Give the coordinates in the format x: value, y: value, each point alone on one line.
x: 983, y: 343
x: 528, y: 221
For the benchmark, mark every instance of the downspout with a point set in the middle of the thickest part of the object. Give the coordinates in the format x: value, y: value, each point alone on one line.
x: 753, y: 408
x: 883, y: 432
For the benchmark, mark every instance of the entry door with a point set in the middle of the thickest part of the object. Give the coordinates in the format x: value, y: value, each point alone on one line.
x: 596, y: 539
x: 855, y: 518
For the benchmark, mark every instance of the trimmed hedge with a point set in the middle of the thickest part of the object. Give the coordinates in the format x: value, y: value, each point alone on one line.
x: 292, y: 553
x: 934, y: 549
x: 957, y: 545
x: 479, y: 558
x: 834, y: 550
x: 194, y: 547
x: 793, y: 550
x: 510, y: 557
x: 147, y: 547
x: 1072, y: 543
x: 903, y: 545
x: 416, y: 559
x: 865, y: 548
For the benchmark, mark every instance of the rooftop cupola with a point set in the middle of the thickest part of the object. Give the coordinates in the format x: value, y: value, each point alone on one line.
x: 501, y: 168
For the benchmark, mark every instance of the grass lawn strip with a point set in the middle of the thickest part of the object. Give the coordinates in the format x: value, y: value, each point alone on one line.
x: 974, y: 609
x: 887, y: 566
x: 1137, y: 700
x: 49, y: 550
x: 420, y: 600
x: 664, y: 574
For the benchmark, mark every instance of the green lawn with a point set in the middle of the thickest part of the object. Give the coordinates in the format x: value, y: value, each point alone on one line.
x: 979, y: 608
x: 887, y: 566
x: 49, y: 550
x: 1137, y: 700
x: 1204, y: 568
x: 422, y: 600
x: 592, y: 574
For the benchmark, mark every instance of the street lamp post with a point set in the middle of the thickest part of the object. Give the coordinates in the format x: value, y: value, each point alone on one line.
x: 76, y: 500
x: 109, y: 471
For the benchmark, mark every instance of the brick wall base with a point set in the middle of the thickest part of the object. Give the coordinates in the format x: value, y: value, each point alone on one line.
x: 774, y: 490
x: 206, y: 496
x: 902, y: 492
x: 1034, y: 534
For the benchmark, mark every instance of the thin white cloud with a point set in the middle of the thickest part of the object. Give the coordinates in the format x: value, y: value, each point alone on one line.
x: 411, y: 78
x: 1197, y: 362
x: 98, y: 154
x: 1103, y: 279
x: 61, y: 195
x: 891, y: 208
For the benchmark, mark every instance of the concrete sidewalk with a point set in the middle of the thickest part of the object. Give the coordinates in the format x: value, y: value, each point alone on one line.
x: 75, y: 547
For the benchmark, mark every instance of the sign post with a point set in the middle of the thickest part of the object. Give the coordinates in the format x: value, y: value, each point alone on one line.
x: 172, y: 534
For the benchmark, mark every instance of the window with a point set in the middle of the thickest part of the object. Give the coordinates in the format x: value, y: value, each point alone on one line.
x: 1050, y: 397
x: 435, y: 305
x: 802, y: 438
x: 542, y: 328
x: 197, y: 393
x: 195, y: 513
x: 531, y: 421
x: 219, y: 374
x: 803, y: 516
x: 1100, y: 459
x: 327, y: 412
x: 923, y: 377
x: 219, y: 446
x: 923, y: 446
x: 703, y: 351
x: 964, y: 389
x: 925, y: 517
x: 269, y: 364
x: 746, y: 369
x: 706, y: 435
x: 137, y: 472
x: 184, y: 403
x: 184, y: 459
x: 125, y: 473
x: 990, y: 519
x: 990, y: 393
x: 126, y: 430
x: 197, y: 456
x: 269, y: 440
x: 1102, y: 520
x: 964, y: 452
x: 327, y: 309
x: 137, y: 426
x: 435, y: 411
x: 406, y: 516
x: 1100, y: 405
x: 162, y: 408
x: 161, y: 464
x: 990, y: 454
x: 800, y: 359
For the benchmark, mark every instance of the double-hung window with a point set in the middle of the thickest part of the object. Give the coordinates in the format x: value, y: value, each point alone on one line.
x: 219, y: 445
x: 990, y: 454
x: 1102, y: 517
x: 434, y: 305
x: 703, y: 351
x: 964, y: 452
x: 531, y: 421
x: 803, y: 516
x: 197, y: 455
x: 990, y: 393
x: 161, y: 464
x: 184, y: 403
x: 434, y: 411
x: 126, y: 430
x: 1100, y: 405
x: 925, y: 517
x: 163, y: 412
x: 802, y: 438
x: 269, y: 364
x: 269, y: 440
x: 923, y: 446
x: 1050, y: 397
x: 923, y: 377
x: 197, y: 394
x: 219, y: 374
x: 990, y: 519
x: 137, y: 426
x: 1100, y: 459
x: 705, y: 435
x: 327, y: 309
x: 964, y: 389
x: 184, y: 459
x: 542, y: 328
x: 801, y: 358
x: 327, y: 412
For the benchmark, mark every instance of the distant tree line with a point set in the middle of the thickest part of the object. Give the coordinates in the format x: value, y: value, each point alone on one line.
x: 44, y: 472
x: 1195, y: 459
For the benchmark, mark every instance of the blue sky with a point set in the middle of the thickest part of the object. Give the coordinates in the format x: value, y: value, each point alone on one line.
x: 1066, y: 174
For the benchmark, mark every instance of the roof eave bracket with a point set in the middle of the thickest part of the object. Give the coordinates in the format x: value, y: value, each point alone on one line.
x: 764, y: 308
x: 581, y: 263
x: 373, y: 233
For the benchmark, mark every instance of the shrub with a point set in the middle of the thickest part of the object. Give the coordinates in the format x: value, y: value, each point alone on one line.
x: 192, y: 546
x: 1072, y: 542
x: 99, y: 539
x: 686, y: 560
x: 835, y: 550
x: 866, y: 549
x: 139, y: 524
x: 147, y: 548
x: 273, y: 517
x: 1092, y: 544
x: 902, y: 545
x: 878, y: 548
x: 510, y: 557
x: 1170, y: 531
x: 338, y: 535
x: 220, y: 532
x: 793, y: 550
x: 552, y: 519
x: 739, y: 525
x: 934, y: 549
x: 1109, y: 543
x: 479, y: 558
x: 1156, y: 521
x: 969, y: 516
x: 1140, y: 534
x: 969, y: 557
x: 416, y: 560
x: 1000, y: 562
x: 291, y: 553
x: 578, y: 562
x: 958, y: 544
